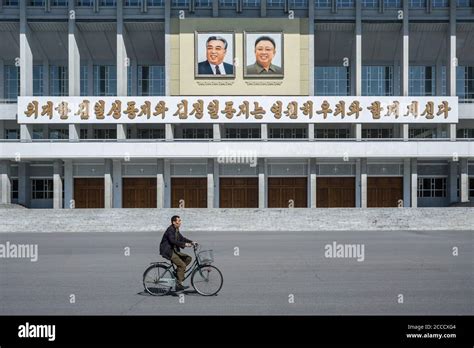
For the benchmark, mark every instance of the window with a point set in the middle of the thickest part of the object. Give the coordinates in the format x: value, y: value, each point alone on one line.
x: 380, y: 133
x: 332, y: 81
x: 392, y: 3
x: 242, y: 133
x: 105, y: 80
x: 465, y: 133
x: 145, y: 133
x: 370, y: 3
x: 59, y: 2
x: 333, y: 133
x: 156, y: 3
x: 251, y: 3
x: 132, y: 3
x: 417, y: 3
x: 377, y: 80
x: 208, y: 3
x: 227, y: 3
x: 180, y: 3
x: 10, y: 3
x: 322, y: 3
x: 197, y: 133
x: 298, y: 3
x: 84, y: 80
x: 12, y: 83
x: 42, y: 189
x: 36, y: 3
x: 275, y: 3
x: 465, y: 82
x: 287, y: 133
x: 58, y: 80
x: 431, y: 187
x: 151, y: 80
x: 12, y: 134
x: 463, y: 3
x: 471, y: 187
x: 14, y: 189
x: 422, y: 133
x: 85, y: 3
x: 440, y: 3
x: 83, y: 133
x: 110, y: 3
x: 110, y: 133
x: 37, y: 80
x: 58, y: 134
x: 422, y: 80
x: 345, y: 3
x: 38, y: 133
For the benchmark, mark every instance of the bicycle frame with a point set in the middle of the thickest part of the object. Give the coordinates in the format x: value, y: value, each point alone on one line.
x: 190, y: 269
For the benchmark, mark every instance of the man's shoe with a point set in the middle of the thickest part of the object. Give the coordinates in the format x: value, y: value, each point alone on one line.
x: 185, y: 287
x: 179, y: 287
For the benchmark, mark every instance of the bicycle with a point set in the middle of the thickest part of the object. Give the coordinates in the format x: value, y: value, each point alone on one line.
x: 207, y: 280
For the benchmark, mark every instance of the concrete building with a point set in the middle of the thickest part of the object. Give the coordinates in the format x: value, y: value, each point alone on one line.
x: 70, y: 55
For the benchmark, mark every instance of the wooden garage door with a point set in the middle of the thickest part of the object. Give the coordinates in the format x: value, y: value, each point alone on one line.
x: 139, y: 193
x: 238, y: 193
x: 384, y: 191
x: 192, y: 190
x: 89, y: 193
x: 282, y: 190
x: 335, y: 192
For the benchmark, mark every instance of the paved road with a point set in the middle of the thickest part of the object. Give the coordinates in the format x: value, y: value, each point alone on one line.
x: 269, y: 269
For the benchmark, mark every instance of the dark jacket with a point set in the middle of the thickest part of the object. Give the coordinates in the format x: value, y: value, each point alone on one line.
x: 171, y: 239
x: 204, y: 68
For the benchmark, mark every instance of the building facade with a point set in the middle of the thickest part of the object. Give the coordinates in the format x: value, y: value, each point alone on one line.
x: 103, y: 104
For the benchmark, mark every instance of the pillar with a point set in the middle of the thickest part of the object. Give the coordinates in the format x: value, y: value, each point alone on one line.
x: 210, y: 183
x: 414, y: 183
x: 160, y: 184
x: 363, y: 183
x: 57, y: 185
x: 358, y: 199
x: 5, y: 183
x: 464, y: 181
x: 453, y: 181
x: 312, y: 183
x: 262, y: 183
x: 108, y: 184
x: 216, y: 131
x: 264, y: 131
x: 169, y: 132
x: 358, y: 62
x: 452, y: 59
x: 167, y: 181
x: 406, y: 182
x: 117, y: 183
x: 68, y: 185
x: 405, y: 66
x: 74, y: 58
x: 24, y: 184
x: 74, y: 131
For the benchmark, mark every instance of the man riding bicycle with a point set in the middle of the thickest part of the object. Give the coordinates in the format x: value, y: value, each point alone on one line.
x: 170, y: 248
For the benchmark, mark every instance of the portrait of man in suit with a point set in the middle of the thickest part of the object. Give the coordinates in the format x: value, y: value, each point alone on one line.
x: 218, y: 62
x: 265, y: 50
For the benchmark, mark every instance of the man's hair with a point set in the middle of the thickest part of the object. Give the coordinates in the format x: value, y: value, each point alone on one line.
x: 265, y: 38
x: 219, y: 38
x: 174, y: 218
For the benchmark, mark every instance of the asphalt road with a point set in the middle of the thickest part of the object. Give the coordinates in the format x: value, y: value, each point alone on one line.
x: 271, y: 269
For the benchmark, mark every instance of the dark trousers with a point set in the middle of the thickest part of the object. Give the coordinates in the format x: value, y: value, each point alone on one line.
x: 181, y: 260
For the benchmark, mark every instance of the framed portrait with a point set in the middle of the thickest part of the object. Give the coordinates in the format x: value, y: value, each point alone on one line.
x: 263, y: 54
x: 214, y: 54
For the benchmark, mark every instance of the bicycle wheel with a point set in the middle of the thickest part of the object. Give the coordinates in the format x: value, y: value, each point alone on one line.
x: 158, y: 280
x: 207, y: 280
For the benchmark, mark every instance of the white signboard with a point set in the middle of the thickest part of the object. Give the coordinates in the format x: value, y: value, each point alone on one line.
x: 237, y: 109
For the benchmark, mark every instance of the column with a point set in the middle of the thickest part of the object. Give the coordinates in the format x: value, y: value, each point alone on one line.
x: 312, y: 183
x: 453, y: 182
x: 169, y: 132
x: 311, y: 134
x: 363, y: 183
x: 108, y: 184
x: 57, y: 185
x: 2, y: 126
x: 90, y: 77
x: 216, y: 131
x: 414, y: 183
x: 46, y: 83
x: 405, y: 66
x: 2, y: 78
x: 358, y: 195
x: 406, y: 182
x: 358, y: 63
x: 90, y: 131
x: 26, y: 68
x: 264, y: 131
x: 452, y: 131
x: 167, y: 47
x: 68, y: 184
x: 167, y: 181
x: 24, y: 184
x: 5, y: 183
x: 464, y: 181
x: 452, y: 59
x: 310, y: 47
x: 210, y: 183
x: 74, y: 57
x: 262, y: 183
x: 405, y: 131
x: 356, y: 130
x: 216, y: 184
x: 122, y: 64
x: 160, y: 184
x: 117, y: 183
x: 74, y: 131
